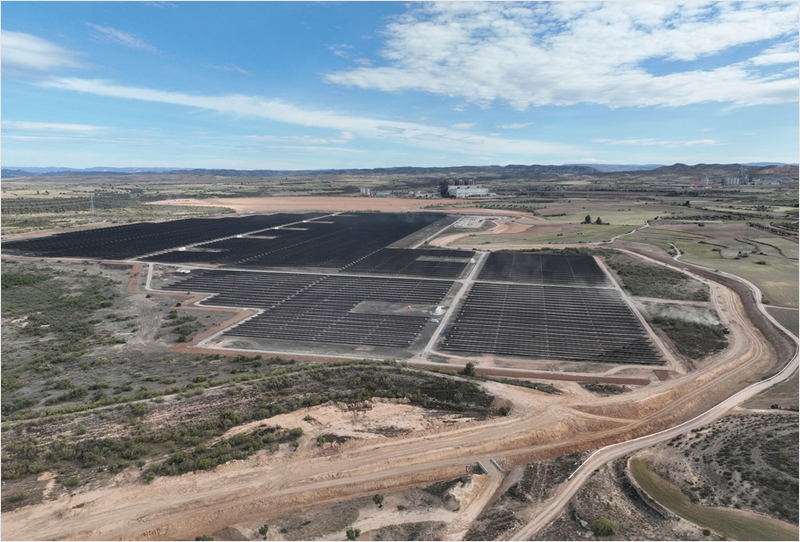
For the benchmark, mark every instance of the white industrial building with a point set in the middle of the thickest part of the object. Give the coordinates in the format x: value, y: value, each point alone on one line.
x: 467, y: 191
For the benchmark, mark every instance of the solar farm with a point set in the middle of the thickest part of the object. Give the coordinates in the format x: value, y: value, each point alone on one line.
x: 548, y: 306
x: 352, y: 284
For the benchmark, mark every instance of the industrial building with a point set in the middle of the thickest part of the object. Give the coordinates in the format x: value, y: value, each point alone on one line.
x: 462, y: 188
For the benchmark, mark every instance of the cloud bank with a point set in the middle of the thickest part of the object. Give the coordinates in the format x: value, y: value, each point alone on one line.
x: 616, y: 54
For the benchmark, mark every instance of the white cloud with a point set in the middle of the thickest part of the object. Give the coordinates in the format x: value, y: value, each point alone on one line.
x: 25, y: 126
x: 229, y: 68
x: 515, y: 126
x: 344, y: 137
x: 24, y: 53
x: 564, y: 53
x: 409, y: 133
x: 112, y: 35
x: 785, y: 53
x: 647, y: 142
x: 462, y: 125
x: 341, y: 50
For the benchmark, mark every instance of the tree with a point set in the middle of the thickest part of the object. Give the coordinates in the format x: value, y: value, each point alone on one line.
x: 469, y: 369
x: 604, y: 527
x: 599, y: 220
x: 353, y: 534
x: 378, y: 499
x: 263, y: 531
x: 588, y: 219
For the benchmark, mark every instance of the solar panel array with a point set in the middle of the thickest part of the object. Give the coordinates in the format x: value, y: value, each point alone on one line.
x: 550, y: 322
x: 317, y: 308
x: 418, y: 263
x: 332, y: 243
x: 535, y: 305
x: 132, y: 240
x: 537, y: 268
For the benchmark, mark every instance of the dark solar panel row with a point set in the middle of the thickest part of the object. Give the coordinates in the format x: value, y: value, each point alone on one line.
x: 550, y: 322
x: 537, y: 268
x: 317, y: 308
x: 434, y: 263
x: 131, y: 240
x: 333, y: 244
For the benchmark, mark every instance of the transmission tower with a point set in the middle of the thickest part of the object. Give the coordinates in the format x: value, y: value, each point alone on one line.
x: 91, y: 205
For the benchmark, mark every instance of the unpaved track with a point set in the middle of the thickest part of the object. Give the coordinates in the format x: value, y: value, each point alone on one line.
x: 550, y: 511
x: 539, y: 427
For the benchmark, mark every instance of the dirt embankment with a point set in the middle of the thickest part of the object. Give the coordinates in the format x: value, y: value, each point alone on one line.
x: 784, y: 347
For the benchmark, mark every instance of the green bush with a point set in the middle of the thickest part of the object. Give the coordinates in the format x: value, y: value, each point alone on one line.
x: 604, y: 527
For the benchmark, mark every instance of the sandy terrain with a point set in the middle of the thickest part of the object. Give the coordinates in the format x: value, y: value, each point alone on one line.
x: 297, y: 204
x: 503, y: 226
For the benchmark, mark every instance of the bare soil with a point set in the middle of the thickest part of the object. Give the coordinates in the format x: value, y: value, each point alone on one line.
x: 785, y: 395
x: 610, y: 494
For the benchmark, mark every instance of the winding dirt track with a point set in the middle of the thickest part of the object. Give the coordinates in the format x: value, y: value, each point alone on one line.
x: 540, y: 426
x: 550, y: 510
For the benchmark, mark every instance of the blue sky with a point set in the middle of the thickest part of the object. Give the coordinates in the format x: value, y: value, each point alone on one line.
x: 295, y: 85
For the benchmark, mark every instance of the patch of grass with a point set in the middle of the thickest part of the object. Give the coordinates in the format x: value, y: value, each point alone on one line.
x: 777, y: 279
x: 736, y: 524
x: 788, y: 318
x: 657, y: 281
x: 693, y: 339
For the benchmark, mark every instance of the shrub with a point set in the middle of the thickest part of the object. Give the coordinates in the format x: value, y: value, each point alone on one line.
x: 604, y: 527
x: 353, y: 534
x: 469, y: 369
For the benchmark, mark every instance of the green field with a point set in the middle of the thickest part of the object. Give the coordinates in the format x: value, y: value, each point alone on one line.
x: 776, y: 277
x: 13, y: 224
x: 735, y: 524
x: 630, y: 213
x: 787, y: 247
x: 787, y: 317
x: 590, y: 233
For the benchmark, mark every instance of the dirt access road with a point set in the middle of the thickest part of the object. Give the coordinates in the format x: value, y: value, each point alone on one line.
x: 550, y: 511
x: 540, y: 426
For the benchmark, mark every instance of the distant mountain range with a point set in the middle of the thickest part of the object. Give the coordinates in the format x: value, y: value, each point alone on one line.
x: 611, y: 168
x: 510, y: 171
x: 54, y: 170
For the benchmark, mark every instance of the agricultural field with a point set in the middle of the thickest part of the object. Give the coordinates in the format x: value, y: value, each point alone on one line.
x: 725, y: 248
x: 26, y: 223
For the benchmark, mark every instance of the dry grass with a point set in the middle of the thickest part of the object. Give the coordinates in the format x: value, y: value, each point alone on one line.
x: 736, y: 524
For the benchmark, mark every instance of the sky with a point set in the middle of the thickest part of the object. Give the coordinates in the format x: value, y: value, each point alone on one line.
x: 329, y: 85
